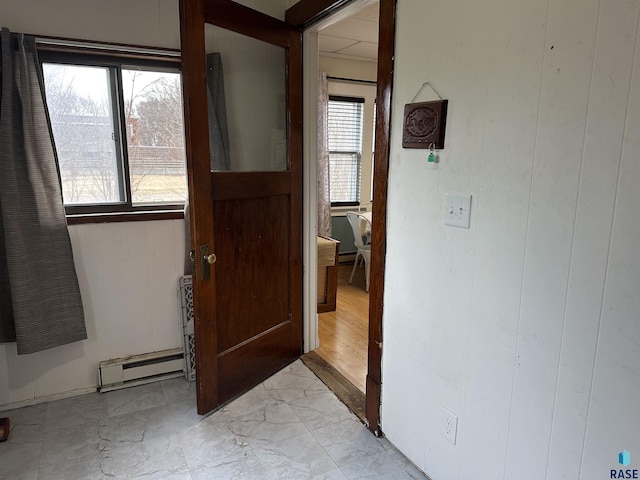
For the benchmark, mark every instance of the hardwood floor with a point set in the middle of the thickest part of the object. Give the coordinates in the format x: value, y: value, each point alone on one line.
x: 344, y: 333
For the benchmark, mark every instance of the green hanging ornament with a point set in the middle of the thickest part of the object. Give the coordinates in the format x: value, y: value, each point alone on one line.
x: 432, y: 153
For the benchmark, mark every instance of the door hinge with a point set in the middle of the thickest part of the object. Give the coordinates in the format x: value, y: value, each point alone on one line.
x: 192, y: 259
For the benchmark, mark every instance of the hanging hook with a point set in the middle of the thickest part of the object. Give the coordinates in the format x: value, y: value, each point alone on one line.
x: 422, y: 88
x: 432, y: 153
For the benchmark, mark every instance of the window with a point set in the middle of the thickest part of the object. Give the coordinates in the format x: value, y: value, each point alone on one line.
x: 118, y: 130
x: 373, y: 149
x: 345, y: 121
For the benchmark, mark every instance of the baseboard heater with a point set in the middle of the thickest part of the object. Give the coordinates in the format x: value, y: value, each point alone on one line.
x: 140, y: 369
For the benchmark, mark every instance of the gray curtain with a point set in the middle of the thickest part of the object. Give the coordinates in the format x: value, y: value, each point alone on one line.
x: 324, y: 198
x: 40, y: 304
x: 218, y: 127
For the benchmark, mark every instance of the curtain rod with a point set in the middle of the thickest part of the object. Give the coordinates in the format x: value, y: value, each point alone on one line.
x: 46, y: 41
x: 351, y: 80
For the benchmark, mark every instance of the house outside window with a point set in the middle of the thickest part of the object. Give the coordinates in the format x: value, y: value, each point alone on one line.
x: 118, y: 129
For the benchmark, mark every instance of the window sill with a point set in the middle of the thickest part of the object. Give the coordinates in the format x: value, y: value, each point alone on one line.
x: 342, y: 211
x: 145, y: 216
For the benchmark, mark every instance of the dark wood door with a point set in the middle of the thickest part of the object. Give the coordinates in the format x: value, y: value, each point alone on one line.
x: 246, y: 210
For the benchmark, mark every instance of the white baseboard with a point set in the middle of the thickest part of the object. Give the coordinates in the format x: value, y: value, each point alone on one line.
x: 48, y: 398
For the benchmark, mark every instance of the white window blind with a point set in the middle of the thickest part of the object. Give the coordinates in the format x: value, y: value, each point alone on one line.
x: 345, y: 122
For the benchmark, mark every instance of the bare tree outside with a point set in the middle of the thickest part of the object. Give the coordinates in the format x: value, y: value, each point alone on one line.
x: 155, y: 138
x: 78, y: 99
x: 85, y: 132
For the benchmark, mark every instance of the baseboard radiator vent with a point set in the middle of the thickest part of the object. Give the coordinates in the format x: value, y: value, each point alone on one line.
x: 140, y: 369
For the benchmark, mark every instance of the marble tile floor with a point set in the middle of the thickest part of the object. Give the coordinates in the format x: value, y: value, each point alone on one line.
x: 291, y: 426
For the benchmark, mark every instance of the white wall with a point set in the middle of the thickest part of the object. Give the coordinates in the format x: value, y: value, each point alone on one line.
x: 355, y: 70
x: 127, y: 271
x: 140, y: 22
x: 128, y: 274
x: 527, y: 325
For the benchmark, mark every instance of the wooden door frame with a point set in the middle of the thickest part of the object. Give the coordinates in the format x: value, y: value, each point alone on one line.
x: 192, y: 15
x: 303, y: 14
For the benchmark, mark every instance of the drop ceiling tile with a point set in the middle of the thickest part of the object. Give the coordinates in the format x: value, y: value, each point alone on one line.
x: 333, y: 44
x: 354, y: 28
x: 362, y: 49
x: 349, y: 57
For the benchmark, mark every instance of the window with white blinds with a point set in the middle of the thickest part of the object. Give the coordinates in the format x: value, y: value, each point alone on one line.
x: 345, y: 122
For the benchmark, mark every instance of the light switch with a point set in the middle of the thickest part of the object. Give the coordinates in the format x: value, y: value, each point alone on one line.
x: 457, y: 210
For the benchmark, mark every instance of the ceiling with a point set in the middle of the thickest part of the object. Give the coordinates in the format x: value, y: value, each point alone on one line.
x: 354, y: 38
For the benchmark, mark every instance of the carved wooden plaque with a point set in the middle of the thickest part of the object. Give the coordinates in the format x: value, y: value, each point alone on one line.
x: 424, y: 124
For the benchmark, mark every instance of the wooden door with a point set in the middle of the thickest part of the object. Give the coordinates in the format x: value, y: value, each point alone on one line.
x: 248, y: 213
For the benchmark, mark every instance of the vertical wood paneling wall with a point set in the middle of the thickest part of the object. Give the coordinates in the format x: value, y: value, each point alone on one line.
x: 128, y: 272
x: 527, y: 325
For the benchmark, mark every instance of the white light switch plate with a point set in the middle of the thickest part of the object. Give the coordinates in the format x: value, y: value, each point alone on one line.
x: 457, y: 211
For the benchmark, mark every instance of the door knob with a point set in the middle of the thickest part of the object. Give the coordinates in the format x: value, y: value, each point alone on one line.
x: 206, y: 259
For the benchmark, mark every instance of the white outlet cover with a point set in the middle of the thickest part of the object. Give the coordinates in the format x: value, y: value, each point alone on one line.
x: 449, y: 428
x: 457, y: 211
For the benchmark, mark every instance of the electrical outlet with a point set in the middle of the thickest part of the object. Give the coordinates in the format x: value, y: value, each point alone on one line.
x: 449, y: 426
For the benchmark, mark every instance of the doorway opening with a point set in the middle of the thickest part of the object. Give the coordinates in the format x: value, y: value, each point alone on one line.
x: 342, y: 51
x: 343, y: 331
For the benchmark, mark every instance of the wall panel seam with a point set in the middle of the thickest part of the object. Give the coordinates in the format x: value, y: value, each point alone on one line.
x: 573, y: 234
x: 526, y: 239
x: 630, y: 93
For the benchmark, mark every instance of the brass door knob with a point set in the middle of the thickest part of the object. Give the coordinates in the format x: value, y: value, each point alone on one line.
x: 211, y: 259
